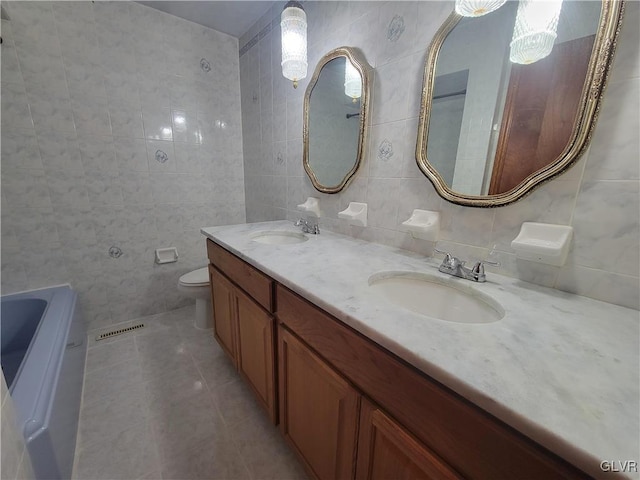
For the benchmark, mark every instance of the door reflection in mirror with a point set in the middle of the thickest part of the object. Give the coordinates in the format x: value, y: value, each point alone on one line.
x: 491, y: 130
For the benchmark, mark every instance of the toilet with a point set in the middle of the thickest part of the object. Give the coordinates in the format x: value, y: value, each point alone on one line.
x: 195, y: 284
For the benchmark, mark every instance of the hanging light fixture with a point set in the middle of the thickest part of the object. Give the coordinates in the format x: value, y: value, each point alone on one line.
x: 293, y: 23
x: 477, y: 8
x: 535, y: 30
x: 352, y: 81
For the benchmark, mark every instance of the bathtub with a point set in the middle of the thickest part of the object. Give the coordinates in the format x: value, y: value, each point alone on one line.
x: 43, y: 342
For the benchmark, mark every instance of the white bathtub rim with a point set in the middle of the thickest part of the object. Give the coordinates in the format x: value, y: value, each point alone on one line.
x: 33, y: 411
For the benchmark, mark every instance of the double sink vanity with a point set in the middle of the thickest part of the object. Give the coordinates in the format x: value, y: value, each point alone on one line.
x: 376, y: 365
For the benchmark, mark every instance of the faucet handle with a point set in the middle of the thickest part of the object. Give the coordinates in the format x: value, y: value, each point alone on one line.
x: 449, y: 259
x: 477, y: 272
x: 447, y: 255
x: 479, y: 266
x: 487, y: 262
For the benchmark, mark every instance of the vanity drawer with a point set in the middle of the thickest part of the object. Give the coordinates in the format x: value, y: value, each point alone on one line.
x: 258, y: 285
x: 475, y: 443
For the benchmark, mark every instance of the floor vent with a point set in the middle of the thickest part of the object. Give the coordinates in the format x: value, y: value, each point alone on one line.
x: 102, y: 336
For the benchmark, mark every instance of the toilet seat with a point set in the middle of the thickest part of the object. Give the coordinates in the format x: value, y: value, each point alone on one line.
x: 197, y: 278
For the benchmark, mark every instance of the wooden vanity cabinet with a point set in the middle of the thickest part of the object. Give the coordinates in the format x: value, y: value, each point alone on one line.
x: 318, y: 410
x: 337, y: 432
x: 245, y: 329
x: 452, y: 434
x: 387, y: 451
x: 224, y: 323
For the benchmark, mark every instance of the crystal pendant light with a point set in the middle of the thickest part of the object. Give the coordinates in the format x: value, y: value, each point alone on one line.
x: 293, y: 23
x: 477, y: 8
x: 352, y: 81
x: 535, y: 30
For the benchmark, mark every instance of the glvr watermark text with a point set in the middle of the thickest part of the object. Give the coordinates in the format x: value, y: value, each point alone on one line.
x: 624, y: 466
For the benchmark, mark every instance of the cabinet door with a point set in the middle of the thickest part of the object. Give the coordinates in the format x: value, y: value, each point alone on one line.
x: 256, y: 359
x: 318, y: 410
x: 224, y: 324
x: 386, y: 450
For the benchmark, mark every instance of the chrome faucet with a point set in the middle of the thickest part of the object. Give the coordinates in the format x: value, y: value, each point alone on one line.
x: 307, y: 227
x: 454, y: 266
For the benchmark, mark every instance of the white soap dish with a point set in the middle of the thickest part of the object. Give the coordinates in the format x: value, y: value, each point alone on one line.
x: 166, y: 255
x: 543, y: 242
x: 311, y: 207
x: 424, y: 224
x: 356, y: 213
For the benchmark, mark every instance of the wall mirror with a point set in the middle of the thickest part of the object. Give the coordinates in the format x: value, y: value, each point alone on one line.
x: 491, y: 130
x: 336, y: 104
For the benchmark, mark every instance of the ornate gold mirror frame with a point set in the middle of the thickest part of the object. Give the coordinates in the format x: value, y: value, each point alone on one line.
x: 358, y: 61
x: 597, y: 74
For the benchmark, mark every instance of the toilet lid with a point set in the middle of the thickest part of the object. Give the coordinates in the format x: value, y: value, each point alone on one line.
x: 197, y: 278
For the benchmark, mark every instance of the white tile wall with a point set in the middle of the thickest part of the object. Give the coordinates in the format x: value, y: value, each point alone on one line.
x: 603, y: 207
x: 90, y: 93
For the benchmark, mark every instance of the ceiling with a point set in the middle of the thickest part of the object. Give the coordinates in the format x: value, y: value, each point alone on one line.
x: 231, y: 17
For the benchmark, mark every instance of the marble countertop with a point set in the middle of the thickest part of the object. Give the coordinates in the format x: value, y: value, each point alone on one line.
x: 560, y: 368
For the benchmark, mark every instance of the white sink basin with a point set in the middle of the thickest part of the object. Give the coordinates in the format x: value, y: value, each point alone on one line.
x: 434, y: 297
x: 278, y: 237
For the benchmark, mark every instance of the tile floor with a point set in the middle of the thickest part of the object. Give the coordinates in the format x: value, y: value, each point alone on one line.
x: 164, y: 402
